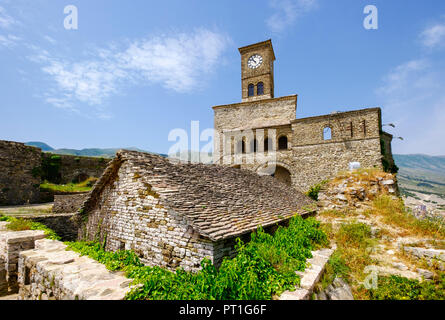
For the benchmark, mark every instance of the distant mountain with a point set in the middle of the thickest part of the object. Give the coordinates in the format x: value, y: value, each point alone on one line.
x: 91, y: 152
x: 432, y: 164
x: 421, y: 173
x: 40, y: 145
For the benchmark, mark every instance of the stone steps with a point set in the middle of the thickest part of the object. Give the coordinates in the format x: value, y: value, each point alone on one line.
x: 311, y: 276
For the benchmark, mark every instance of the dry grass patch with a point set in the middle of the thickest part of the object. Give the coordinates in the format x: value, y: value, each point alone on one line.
x: 393, y: 212
x: 353, y: 254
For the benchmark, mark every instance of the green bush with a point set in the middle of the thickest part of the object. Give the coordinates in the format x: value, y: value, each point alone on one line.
x: 314, y: 190
x: 262, y: 267
x: 399, y: 288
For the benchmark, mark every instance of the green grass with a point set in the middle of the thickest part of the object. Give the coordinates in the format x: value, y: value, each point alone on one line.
x: 263, y: 267
x: 393, y: 212
x: 18, y: 224
x: 84, y: 186
x: 336, y: 267
x: 400, y: 288
x: 353, y: 254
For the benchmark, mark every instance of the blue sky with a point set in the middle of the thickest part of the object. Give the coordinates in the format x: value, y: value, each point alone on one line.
x: 134, y: 71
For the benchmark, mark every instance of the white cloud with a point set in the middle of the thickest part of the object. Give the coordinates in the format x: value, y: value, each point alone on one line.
x: 177, y: 62
x: 403, y: 77
x: 413, y: 98
x: 8, y: 40
x: 50, y: 40
x: 434, y: 36
x: 6, y: 21
x: 286, y: 12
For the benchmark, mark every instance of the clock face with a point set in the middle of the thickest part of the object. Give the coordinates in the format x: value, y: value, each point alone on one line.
x: 255, y: 61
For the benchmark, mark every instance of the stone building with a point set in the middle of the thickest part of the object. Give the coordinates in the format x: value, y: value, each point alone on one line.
x: 174, y: 214
x: 262, y: 133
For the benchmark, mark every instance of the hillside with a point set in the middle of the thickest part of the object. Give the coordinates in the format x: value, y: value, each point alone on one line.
x: 90, y: 152
x: 40, y: 145
x: 421, y: 173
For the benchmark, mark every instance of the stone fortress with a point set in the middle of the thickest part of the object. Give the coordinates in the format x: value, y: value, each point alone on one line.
x: 174, y: 214
x: 262, y: 132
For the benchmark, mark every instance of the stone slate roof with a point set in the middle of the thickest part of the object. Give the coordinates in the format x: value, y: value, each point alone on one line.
x: 218, y: 201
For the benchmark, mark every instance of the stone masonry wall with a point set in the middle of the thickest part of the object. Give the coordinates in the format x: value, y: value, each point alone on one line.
x: 50, y: 272
x: 229, y: 117
x: 345, y: 126
x: 356, y: 136
x: 77, y: 169
x: 61, y: 223
x: 11, y: 244
x: 18, y: 183
x: 68, y: 203
x: 129, y: 215
x: 316, y: 163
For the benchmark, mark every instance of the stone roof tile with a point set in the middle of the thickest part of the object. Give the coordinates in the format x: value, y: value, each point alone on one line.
x: 218, y: 201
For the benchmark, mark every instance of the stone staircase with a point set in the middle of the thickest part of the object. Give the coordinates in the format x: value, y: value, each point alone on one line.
x: 311, y: 276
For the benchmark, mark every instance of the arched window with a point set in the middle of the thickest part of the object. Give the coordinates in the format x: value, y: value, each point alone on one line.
x: 243, y: 146
x: 260, y: 89
x: 251, y: 90
x: 267, y: 144
x: 327, y: 133
x: 282, y: 143
x: 254, y: 145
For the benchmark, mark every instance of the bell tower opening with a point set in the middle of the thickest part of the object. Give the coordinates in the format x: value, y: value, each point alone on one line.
x: 257, y: 80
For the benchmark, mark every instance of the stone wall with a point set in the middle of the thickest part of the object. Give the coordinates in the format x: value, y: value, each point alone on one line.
x: 313, y: 164
x: 75, y: 168
x: 311, y: 157
x: 23, y: 167
x: 18, y: 182
x: 50, y: 272
x: 68, y: 203
x: 345, y: 126
x: 11, y: 244
x: 61, y: 223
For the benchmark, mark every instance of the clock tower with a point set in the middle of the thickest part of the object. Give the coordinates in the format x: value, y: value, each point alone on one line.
x: 257, y: 71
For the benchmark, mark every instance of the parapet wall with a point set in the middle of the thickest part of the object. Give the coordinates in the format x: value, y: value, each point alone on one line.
x: 49, y: 272
x: 70, y: 168
x: 19, y: 183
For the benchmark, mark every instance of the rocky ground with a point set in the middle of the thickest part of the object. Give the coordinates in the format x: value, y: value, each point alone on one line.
x: 398, y: 245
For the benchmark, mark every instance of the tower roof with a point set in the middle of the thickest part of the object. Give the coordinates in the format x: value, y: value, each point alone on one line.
x: 267, y: 43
